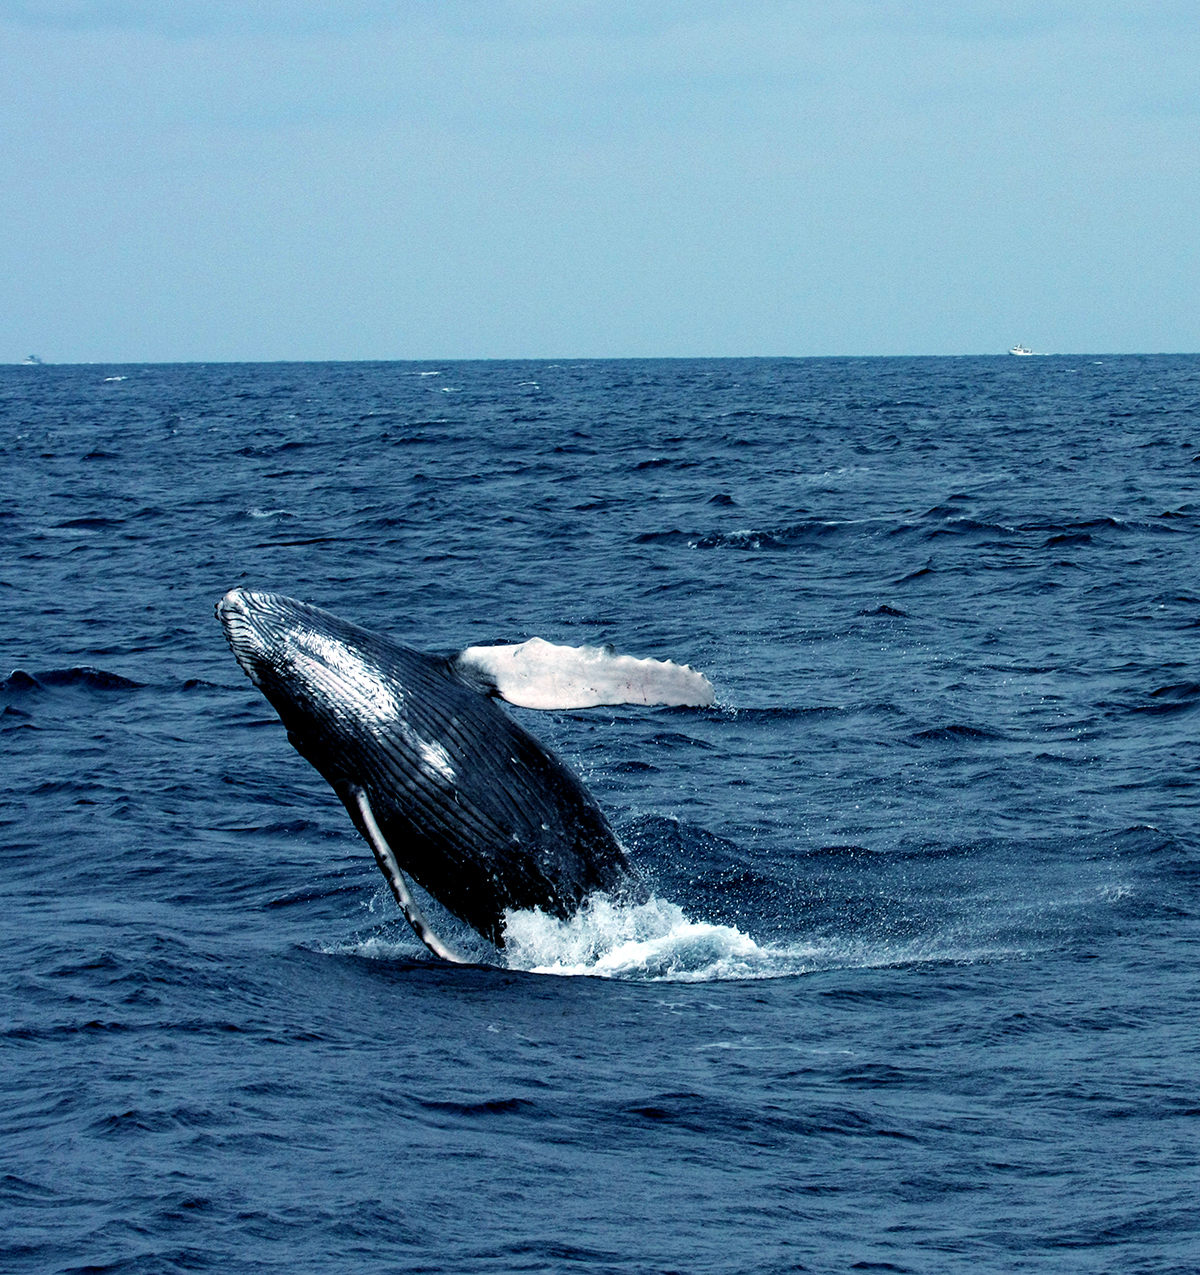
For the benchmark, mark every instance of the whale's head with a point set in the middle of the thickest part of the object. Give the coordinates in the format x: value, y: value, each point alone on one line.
x: 319, y: 672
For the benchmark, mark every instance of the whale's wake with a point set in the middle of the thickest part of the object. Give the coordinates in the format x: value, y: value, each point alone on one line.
x: 657, y: 941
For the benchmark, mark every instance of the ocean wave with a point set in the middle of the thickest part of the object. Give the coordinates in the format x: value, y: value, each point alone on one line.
x: 751, y: 539
x: 93, y: 679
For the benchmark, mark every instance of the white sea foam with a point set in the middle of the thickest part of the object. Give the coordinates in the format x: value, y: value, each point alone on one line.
x: 654, y: 940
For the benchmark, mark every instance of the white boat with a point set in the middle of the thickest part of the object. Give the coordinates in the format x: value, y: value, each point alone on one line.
x: 1020, y: 349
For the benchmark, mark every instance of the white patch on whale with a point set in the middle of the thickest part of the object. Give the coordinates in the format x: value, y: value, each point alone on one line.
x: 336, y: 667
x: 435, y: 760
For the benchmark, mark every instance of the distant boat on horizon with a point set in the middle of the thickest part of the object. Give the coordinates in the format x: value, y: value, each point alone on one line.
x: 1023, y: 350
x: 31, y: 360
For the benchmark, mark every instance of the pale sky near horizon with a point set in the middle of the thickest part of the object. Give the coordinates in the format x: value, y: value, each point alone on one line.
x: 298, y: 179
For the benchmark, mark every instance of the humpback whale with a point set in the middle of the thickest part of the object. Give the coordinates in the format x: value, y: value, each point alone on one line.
x: 440, y: 781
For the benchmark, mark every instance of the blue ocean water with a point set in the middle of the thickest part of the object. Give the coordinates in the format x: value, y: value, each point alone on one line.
x: 917, y: 989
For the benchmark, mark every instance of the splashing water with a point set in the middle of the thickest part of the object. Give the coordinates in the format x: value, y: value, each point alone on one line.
x: 657, y: 942
x: 653, y: 940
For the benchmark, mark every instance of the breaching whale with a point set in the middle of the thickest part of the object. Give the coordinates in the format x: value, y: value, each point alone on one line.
x: 441, y: 782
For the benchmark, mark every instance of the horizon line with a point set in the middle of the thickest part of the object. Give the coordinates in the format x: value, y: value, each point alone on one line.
x: 34, y: 361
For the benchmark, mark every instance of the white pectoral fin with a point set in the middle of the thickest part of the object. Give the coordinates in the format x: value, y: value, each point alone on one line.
x: 539, y: 674
x: 395, y: 878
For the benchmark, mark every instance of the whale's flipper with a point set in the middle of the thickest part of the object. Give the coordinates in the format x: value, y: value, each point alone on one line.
x: 395, y: 878
x: 539, y: 674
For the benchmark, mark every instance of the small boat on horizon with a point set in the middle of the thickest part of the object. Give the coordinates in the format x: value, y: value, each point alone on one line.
x: 1021, y: 349
x: 32, y: 360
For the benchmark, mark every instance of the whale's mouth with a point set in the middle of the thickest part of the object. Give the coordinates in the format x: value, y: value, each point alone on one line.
x: 249, y: 621
x: 243, y: 605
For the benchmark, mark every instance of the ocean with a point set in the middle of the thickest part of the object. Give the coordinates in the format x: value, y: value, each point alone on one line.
x: 916, y: 989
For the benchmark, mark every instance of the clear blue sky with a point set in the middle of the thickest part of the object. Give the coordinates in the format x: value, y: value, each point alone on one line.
x: 302, y: 179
